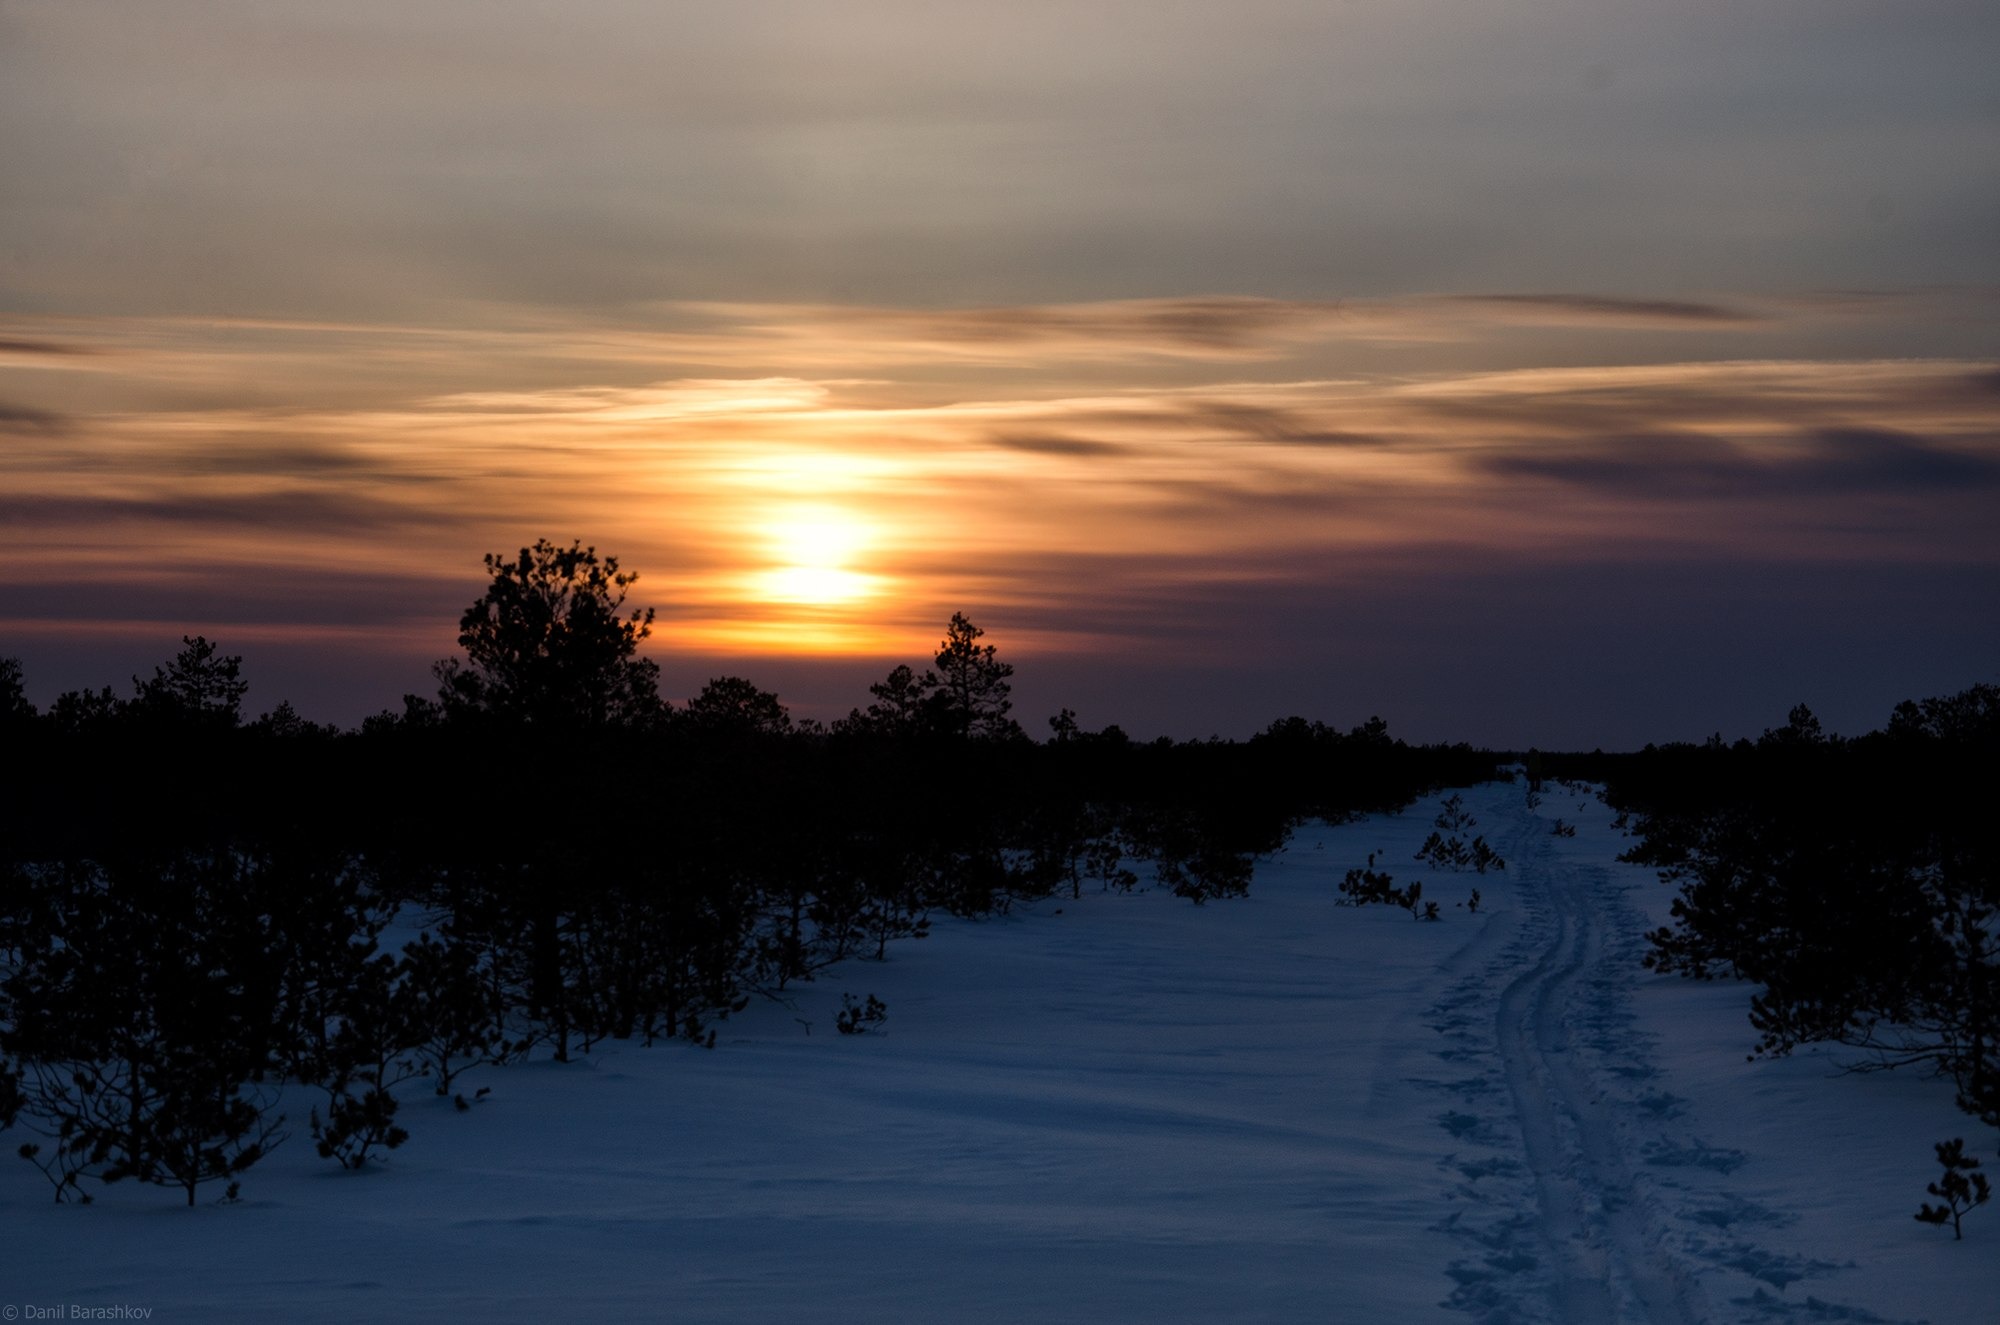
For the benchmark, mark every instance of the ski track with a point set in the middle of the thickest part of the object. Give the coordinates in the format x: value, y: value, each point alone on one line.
x: 1607, y: 1256
x: 1575, y: 1188
x: 1560, y: 1230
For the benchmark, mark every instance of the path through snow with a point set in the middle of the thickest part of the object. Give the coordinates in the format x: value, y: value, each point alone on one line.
x: 1605, y: 1251
x: 1589, y: 1185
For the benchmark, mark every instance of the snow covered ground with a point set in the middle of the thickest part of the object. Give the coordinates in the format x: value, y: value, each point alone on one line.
x: 1128, y: 1108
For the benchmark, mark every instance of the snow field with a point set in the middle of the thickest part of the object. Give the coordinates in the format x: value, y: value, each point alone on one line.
x: 1128, y: 1108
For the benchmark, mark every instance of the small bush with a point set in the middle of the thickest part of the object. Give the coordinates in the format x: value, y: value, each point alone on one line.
x: 1960, y: 1188
x: 859, y: 1018
x: 1454, y: 817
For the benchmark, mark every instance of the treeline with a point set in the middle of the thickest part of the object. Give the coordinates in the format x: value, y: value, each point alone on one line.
x: 203, y: 911
x: 1857, y: 880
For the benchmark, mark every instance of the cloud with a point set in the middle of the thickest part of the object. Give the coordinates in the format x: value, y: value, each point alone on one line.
x: 1741, y: 398
x: 254, y: 457
x: 1265, y: 423
x: 1607, y: 310
x: 1088, y: 473
x: 200, y: 591
x: 1212, y: 328
x: 1679, y: 465
x: 1222, y: 327
x: 1864, y: 459
x: 1685, y: 466
x: 1054, y: 444
x: 289, y: 513
x: 22, y: 419
x: 43, y: 348
x: 684, y: 398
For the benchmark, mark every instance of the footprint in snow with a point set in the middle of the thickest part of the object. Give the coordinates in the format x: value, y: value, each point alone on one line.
x: 1696, y: 1155
x: 1764, y: 1307
x: 1735, y: 1210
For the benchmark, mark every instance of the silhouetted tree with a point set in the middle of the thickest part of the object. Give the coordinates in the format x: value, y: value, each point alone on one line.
x: 200, y: 687
x: 15, y: 710
x: 284, y: 723
x: 1960, y: 1188
x: 76, y: 712
x: 973, y: 684
x: 965, y: 693
x: 454, y: 1009
x: 730, y: 705
x: 1855, y: 879
x: 365, y: 1059
x: 902, y: 705
x: 550, y: 644
x: 143, y: 1012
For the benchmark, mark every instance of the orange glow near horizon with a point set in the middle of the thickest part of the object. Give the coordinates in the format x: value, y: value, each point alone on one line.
x: 773, y: 514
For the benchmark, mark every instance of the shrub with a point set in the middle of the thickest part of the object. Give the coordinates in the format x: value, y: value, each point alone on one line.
x: 1960, y: 1188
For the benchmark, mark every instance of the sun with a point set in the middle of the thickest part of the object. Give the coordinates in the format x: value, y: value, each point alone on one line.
x: 813, y: 551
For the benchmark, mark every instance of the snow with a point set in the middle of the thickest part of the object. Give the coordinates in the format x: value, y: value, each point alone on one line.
x: 1123, y: 1107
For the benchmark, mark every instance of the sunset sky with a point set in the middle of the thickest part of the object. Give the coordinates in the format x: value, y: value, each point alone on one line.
x: 1576, y: 372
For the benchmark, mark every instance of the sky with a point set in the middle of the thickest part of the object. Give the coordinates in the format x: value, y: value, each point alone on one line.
x: 1557, y: 372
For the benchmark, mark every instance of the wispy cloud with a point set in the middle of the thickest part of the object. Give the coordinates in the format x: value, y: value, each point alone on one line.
x: 1830, y: 461
x: 1061, y: 460
x: 1605, y: 310
x: 11, y: 346
x: 22, y: 419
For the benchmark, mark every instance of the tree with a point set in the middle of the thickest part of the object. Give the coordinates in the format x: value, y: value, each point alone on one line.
x: 76, y: 712
x: 972, y: 683
x: 964, y: 693
x: 1960, y: 1188
x: 550, y: 645
x: 143, y: 1009
x: 14, y: 706
x: 200, y: 687
x: 732, y: 706
x: 902, y: 705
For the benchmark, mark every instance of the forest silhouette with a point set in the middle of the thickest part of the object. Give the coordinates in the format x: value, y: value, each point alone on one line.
x: 199, y: 906
x: 207, y: 917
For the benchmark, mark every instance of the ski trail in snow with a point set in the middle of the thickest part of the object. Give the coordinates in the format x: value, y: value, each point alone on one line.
x: 1578, y: 1186
x: 1607, y: 1257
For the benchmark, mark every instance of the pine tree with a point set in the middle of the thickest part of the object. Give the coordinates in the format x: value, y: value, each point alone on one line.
x: 454, y: 1013
x: 15, y: 710
x: 1453, y: 817
x: 732, y: 706
x: 201, y: 687
x: 1960, y: 1188
x: 550, y: 645
x: 143, y: 1005
x: 974, y: 684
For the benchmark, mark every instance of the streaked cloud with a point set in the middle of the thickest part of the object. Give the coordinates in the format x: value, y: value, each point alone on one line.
x: 1586, y: 310
x: 781, y: 512
x: 28, y: 349
x: 1861, y: 461
x: 22, y: 419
